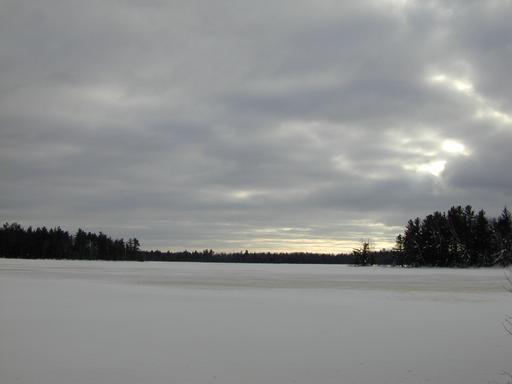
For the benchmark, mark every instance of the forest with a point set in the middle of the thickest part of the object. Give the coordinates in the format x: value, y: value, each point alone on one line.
x: 54, y: 243
x: 456, y: 238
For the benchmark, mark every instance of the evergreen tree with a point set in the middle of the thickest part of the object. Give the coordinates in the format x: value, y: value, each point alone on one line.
x: 413, y: 246
x: 482, y: 241
x: 503, y: 233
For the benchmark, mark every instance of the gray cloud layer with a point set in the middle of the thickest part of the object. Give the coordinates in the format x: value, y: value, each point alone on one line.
x: 271, y: 124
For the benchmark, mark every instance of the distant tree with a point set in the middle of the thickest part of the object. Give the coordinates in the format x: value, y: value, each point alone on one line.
x: 482, y: 241
x: 132, y: 249
x: 363, y: 255
x: 79, y: 244
x: 399, y: 251
x: 460, y: 231
x: 503, y: 233
x: 434, y: 236
x: 413, y: 244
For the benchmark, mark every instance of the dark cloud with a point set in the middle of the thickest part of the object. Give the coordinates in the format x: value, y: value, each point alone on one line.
x: 277, y: 124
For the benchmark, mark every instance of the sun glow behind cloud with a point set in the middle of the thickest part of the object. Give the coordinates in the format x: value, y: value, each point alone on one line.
x: 493, y: 114
x: 434, y: 168
x: 459, y: 85
x: 433, y: 151
x: 453, y: 147
x: 484, y: 108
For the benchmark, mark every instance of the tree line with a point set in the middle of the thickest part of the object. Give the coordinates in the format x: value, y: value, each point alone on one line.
x: 210, y: 256
x: 456, y: 238
x: 55, y: 243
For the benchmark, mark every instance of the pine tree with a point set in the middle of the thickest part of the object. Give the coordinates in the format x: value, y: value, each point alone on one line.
x: 503, y: 232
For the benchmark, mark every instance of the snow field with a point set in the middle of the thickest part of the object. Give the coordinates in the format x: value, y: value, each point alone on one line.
x: 118, y: 322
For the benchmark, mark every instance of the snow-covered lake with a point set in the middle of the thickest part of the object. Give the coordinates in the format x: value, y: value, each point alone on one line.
x: 73, y: 322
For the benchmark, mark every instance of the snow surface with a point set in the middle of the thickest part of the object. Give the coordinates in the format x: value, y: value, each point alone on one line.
x: 83, y: 322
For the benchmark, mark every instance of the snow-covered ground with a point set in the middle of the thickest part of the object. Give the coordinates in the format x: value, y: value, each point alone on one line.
x: 71, y: 322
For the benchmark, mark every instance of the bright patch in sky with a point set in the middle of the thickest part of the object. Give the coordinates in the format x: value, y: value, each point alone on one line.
x: 485, y: 109
x: 456, y: 84
x: 493, y: 114
x: 434, y: 167
x: 242, y: 194
x: 454, y: 147
x: 394, y: 4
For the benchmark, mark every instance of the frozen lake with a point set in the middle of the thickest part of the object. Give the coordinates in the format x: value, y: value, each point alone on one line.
x: 77, y: 322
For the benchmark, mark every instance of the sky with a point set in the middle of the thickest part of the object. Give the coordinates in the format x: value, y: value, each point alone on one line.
x: 263, y: 125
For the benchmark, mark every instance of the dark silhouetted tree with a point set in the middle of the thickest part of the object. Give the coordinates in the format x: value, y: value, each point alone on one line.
x: 503, y: 233
x: 363, y: 255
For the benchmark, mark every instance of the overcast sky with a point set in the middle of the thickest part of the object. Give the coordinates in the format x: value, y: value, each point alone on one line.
x: 279, y: 124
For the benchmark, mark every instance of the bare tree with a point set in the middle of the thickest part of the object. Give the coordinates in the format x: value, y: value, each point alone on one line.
x: 363, y: 254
